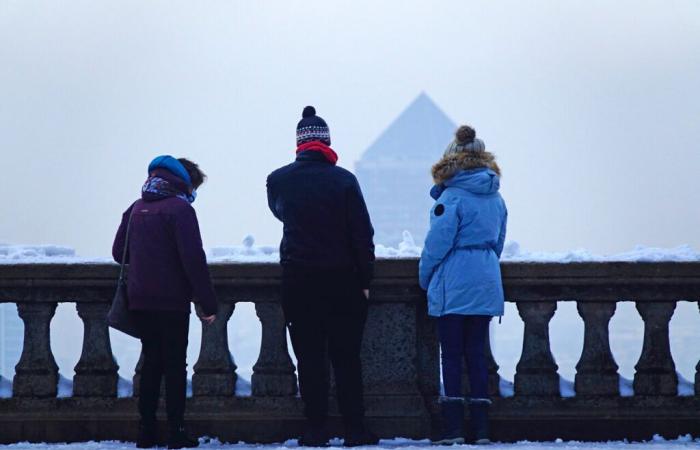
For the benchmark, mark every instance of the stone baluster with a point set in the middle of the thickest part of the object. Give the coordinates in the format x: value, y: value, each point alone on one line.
x: 596, y: 371
x: 274, y: 372
x: 536, y: 372
x: 96, y: 371
x: 215, y: 371
x: 36, y: 372
x: 656, y: 371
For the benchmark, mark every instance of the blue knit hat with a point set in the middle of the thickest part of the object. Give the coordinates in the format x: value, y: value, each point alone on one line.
x: 172, y: 165
x: 312, y: 128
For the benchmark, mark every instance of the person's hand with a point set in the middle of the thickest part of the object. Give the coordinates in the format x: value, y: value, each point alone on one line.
x: 208, y: 319
x: 366, y: 293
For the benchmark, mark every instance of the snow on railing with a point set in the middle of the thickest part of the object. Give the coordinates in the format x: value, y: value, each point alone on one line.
x: 249, y: 252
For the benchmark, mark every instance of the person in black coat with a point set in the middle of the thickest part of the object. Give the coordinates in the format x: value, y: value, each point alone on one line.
x: 327, y: 257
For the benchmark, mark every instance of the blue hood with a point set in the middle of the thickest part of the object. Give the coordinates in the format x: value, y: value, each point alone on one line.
x: 481, y: 181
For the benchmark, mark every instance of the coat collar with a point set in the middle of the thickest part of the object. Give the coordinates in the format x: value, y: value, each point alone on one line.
x: 453, y: 163
x: 312, y: 156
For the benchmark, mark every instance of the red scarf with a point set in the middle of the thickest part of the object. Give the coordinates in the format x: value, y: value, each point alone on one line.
x: 318, y: 146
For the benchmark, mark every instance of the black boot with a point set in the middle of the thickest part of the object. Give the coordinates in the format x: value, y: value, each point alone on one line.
x: 315, y: 435
x: 178, y: 438
x: 453, y: 422
x: 357, y: 434
x: 479, y: 421
x: 148, y: 434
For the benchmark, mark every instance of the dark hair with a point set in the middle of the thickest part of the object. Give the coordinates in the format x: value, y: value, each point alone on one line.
x: 196, y: 174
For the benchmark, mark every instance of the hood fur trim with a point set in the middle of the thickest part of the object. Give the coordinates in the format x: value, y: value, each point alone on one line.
x: 452, y: 163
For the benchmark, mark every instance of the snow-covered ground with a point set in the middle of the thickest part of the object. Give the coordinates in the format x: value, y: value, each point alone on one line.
x: 683, y: 442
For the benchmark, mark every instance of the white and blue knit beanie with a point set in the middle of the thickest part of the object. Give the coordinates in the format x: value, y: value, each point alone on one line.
x: 312, y: 128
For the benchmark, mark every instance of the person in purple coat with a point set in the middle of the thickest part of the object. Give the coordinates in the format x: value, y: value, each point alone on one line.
x: 167, y: 270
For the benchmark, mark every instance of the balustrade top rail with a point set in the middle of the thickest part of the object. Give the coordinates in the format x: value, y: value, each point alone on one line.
x: 396, y: 280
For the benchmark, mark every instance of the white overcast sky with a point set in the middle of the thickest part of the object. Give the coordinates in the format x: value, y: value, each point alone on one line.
x: 593, y: 107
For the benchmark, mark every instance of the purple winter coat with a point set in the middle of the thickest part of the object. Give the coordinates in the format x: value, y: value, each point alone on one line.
x: 167, y: 264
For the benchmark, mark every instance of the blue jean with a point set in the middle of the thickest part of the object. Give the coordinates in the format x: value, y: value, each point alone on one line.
x: 464, y: 337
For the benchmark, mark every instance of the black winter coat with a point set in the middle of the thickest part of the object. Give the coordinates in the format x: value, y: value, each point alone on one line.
x: 326, y: 223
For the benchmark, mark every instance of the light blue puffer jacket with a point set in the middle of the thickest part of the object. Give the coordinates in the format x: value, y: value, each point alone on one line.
x: 459, y: 266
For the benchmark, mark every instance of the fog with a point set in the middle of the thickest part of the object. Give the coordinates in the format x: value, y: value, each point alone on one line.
x: 591, y: 106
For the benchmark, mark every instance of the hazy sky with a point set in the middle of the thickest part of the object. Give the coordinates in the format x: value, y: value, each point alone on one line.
x: 591, y: 106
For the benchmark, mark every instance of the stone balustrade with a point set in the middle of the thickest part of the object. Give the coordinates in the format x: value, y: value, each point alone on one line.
x: 400, y: 354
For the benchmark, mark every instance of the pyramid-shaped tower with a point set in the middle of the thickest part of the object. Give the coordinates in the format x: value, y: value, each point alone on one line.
x: 394, y: 171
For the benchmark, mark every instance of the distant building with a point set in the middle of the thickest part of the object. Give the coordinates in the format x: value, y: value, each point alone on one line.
x: 394, y: 171
x: 11, y: 337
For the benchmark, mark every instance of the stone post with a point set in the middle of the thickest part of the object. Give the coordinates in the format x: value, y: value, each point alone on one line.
x: 215, y: 371
x: 389, y: 349
x: 596, y: 371
x: 274, y: 372
x: 36, y: 372
x: 96, y: 371
x: 536, y: 372
x: 656, y: 371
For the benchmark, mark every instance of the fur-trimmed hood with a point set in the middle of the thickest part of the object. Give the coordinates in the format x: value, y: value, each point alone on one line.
x: 452, y: 163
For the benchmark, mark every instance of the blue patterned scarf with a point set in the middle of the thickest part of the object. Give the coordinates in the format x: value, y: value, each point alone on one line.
x: 156, y: 188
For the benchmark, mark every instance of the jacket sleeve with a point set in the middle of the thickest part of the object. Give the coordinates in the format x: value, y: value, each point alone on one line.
x: 120, y: 238
x: 272, y: 200
x: 444, y: 221
x: 361, y: 234
x: 193, y: 259
x: 502, y: 235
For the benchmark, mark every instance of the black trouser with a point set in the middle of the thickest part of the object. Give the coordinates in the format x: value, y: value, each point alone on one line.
x: 326, y: 313
x: 164, y: 346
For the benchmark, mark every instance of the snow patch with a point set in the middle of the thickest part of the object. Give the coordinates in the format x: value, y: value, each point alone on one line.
x: 686, y: 388
x: 34, y: 253
x: 248, y: 252
x: 566, y: 388
x: 394, y: 444
x: 125, y: 388
x: 626, y: 387
x: 44, y: 254
x: 65, y: 387
x: 683, y: 253
x: 5, y: 388
x: 244, y: 388
x: 407, y: 249
x: 506, y: 388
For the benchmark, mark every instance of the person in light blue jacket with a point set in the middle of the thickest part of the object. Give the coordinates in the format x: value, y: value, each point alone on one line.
x: 459, y: 267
